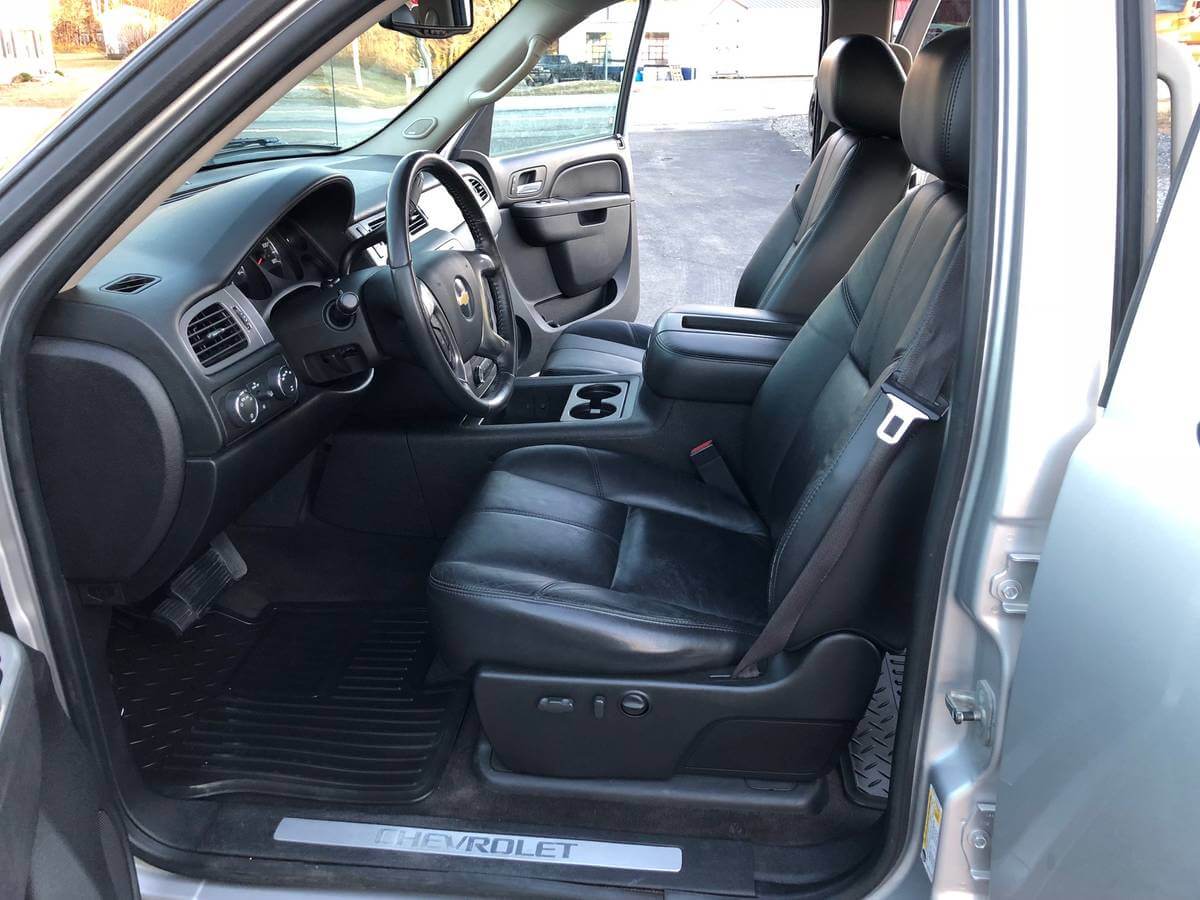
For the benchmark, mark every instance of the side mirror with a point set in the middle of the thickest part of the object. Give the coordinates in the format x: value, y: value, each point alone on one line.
x: 433, y: 19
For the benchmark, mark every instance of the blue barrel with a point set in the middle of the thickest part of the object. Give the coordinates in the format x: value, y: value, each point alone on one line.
x: 637, y: 76
x: 688, y: 73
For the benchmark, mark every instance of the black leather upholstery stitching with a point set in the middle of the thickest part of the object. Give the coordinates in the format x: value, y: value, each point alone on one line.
x: 485, y: 593
x: 948, y: 114
x: 712, y: 357
x: 906, y: 257
x: 595, y: 472
x: 510, y: 511
x: 855, y: 319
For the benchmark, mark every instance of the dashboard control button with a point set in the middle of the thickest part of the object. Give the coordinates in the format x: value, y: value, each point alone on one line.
x: 262, y: 392
x: 284, y: 382
x: 242, y: 408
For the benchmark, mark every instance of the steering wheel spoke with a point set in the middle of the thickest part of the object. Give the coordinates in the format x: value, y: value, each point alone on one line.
x: 493, y: 345
x: 481, y: 262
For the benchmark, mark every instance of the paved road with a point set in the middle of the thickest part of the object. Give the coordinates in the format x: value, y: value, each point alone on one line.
x: 705, y: 199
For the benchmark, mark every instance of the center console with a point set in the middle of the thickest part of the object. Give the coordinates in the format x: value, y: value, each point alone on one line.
x: 715, y: 354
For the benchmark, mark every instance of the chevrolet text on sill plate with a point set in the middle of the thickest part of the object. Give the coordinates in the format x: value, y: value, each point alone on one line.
x: 481, y: 845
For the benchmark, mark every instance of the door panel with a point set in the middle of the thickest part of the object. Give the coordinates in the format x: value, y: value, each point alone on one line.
x: 568, y: 235
x: 1098, y: 777
x: 553, y: 153
x: 59, y: 833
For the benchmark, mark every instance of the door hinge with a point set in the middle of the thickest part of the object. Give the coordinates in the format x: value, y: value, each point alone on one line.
x: 1013, y: 584
x: 977, y: 841
x: 978, y: 706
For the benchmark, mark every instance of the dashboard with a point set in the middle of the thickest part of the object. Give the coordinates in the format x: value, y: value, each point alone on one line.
x: 187, y: 358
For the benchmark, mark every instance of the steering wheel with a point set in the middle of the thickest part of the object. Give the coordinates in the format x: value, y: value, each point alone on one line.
x: 442, y: 296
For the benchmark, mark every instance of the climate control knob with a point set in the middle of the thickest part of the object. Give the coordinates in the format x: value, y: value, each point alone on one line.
x: 242, y: 408
x: 284, y: 382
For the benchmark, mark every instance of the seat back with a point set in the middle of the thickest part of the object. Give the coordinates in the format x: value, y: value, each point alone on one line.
x: 805, y: 439
x: 856, y: 178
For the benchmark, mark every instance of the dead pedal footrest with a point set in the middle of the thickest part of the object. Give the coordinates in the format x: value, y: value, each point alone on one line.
x: 193, y: 590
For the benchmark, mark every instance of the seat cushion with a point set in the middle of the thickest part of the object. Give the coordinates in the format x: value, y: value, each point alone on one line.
x: 586, y: 561
x: 599, y: 347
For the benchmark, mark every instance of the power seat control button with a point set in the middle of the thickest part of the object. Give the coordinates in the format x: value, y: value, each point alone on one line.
x: 556, y: 705
x: 635, y: 703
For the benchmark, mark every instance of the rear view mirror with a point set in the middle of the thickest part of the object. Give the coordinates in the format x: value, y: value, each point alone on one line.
x: 434, y: 19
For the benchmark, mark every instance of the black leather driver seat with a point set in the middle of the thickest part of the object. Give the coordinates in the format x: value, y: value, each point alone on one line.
x: 576, y: 560
x: 857, y: 177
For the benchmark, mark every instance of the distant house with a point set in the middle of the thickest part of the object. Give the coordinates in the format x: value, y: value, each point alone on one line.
x: 25, y: 47
x: 126, y: 26
x: 712, y: 38
x: 764, y: 38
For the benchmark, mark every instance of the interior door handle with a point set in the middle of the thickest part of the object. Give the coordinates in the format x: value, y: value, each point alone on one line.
x: 528, y: 188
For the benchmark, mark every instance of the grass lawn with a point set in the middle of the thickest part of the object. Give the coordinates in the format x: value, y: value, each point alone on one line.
x: 28, y: 110
x: 82, y: 73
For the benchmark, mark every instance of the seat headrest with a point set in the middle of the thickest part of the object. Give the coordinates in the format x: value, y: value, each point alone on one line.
x: 859, y: 83
x: 903, y: 55
x: 935, y: 114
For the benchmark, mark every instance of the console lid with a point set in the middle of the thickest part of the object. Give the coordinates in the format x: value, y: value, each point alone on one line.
x: 715, y: 353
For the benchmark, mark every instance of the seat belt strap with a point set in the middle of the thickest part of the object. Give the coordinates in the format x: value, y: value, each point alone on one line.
x: 912, y: 387
x: 713, y: 471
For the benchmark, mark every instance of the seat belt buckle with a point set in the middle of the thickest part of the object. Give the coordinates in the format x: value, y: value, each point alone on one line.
x: 713, y: 471
x: 903, y: 410
x: 703, y: 453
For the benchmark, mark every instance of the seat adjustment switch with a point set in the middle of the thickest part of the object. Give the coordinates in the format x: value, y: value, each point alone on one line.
x: 635, y: 703
x: 556, y: 705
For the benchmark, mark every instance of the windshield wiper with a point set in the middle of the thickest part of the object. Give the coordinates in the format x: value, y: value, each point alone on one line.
x: 239, y: 143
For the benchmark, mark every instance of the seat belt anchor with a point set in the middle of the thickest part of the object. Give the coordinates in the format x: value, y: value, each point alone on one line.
x: 903, y: 410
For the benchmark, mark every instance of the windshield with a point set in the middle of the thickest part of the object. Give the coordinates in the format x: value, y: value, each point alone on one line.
x: 1168, y: 6
x: 356, y: 93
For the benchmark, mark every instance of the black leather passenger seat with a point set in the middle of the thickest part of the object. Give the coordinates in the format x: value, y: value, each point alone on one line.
x: 857, y: 177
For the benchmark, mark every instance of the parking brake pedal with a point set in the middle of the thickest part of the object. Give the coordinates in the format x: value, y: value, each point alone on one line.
x: 194, y: 589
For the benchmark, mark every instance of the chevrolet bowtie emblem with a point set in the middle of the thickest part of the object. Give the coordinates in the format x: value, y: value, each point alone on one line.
x: 462, y: 296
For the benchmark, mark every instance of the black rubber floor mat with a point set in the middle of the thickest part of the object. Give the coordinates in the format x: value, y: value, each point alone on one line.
x: 324, y: 702
x: 867, y: 765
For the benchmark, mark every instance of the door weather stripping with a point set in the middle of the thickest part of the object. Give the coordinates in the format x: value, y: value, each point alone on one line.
x: 481, y: 845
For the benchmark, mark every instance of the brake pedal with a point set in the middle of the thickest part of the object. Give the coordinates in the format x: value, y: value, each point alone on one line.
x: 193, y: 590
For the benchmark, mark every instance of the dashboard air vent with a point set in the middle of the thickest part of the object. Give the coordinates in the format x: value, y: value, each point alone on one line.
x: 416, y: 221
x: 215, y: 335
x: 479, y: 188
x: 130, y: 284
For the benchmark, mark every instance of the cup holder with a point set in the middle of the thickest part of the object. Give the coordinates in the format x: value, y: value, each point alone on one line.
x: 594, y: 402
x: 597, y: 392
x: 593, y: 409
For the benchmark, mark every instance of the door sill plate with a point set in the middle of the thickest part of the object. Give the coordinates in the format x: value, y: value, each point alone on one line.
x: 481, y: 845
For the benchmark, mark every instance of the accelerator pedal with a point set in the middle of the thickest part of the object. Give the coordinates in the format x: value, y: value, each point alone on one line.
x: 194, y: 589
